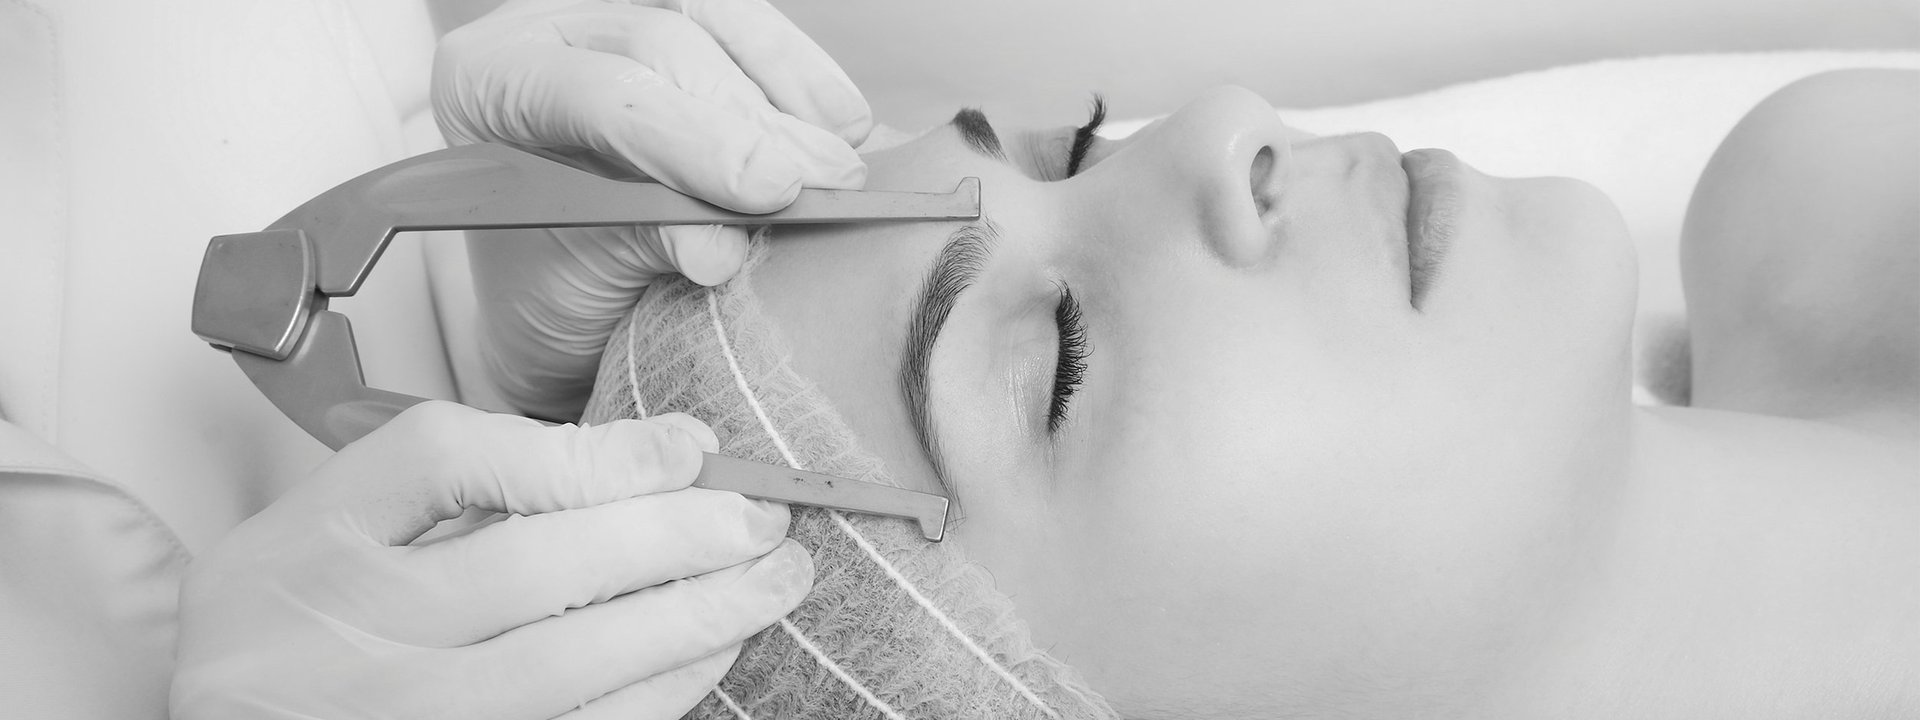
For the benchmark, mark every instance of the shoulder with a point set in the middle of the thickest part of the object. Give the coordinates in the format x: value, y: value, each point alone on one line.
x: 1835, y: 95
x: 1801, y: 253
x: 1858, y: 124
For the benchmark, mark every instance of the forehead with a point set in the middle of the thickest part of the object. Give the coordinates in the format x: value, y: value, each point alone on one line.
x: 971, y: 145
x: 928, y: 163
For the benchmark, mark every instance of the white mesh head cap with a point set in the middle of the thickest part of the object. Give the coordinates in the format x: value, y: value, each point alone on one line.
x: 896, y: 627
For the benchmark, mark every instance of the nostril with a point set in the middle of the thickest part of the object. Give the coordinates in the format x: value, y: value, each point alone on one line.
x: 1238, y: 238
x: 1260, y: 181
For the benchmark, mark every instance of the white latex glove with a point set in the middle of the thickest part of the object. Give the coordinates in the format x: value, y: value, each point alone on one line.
x: 724, y: 100
x: 614, y: 591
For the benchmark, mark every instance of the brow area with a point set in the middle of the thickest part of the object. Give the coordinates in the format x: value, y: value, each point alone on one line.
x: 955, y: 269
x: 978, y: 133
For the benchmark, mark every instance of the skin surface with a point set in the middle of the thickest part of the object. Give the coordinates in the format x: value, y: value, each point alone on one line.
x: 1286, y: 486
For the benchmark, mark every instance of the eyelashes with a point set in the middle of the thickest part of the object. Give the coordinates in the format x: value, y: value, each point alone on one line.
x: 1084, y: 136
x: 1070, y: 361
x: 1070, y: 366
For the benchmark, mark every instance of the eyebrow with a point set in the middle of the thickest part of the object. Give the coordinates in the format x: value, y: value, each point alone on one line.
x: 978, y: 133
x: 954, y: 270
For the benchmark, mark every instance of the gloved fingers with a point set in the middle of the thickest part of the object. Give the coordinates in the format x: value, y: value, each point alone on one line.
x: 437, y: 459
x: 671, y: 44
x: 560, y: 663
x: 661, y: 697
x: 538, y: 566
x: 621, y: 108
x: 706, y: 254
x: 794, y: 72
x: 685, y: 53
x: 548, y: 301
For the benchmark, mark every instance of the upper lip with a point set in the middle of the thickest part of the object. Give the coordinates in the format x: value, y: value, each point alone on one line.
x: 1431, y: 202
x: 1401, y: 192
x: 1381, y: 177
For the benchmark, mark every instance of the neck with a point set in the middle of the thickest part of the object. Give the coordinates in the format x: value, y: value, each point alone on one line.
x: 1751, y: 565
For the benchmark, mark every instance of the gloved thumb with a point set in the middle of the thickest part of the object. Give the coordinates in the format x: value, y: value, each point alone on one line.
x: 705, y: 254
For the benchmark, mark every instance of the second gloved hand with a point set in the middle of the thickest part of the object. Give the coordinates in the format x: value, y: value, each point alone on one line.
x: 611, y: 589
x: 724, y: 100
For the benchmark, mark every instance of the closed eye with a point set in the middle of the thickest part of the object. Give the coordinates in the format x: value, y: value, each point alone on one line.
x: 1070, y: 364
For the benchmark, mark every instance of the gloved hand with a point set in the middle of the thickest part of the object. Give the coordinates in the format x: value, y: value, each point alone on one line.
x: 614, y: 591
x: 724, y: 100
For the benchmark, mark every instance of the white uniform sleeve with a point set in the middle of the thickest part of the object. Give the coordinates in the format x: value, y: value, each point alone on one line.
x: 89, y: 578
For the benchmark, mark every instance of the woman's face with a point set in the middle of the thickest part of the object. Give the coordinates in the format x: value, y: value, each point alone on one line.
x: 1320, y: 440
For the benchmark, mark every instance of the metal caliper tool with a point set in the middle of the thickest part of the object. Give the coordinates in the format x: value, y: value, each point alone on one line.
x: 262, y: 296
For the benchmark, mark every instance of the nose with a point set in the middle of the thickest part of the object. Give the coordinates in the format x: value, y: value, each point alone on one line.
x: 1223, y: 159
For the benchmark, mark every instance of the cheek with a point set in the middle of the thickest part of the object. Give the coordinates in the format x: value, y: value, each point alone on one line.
x: 1272, y: 504
x: 1264, y: 531
x: 1223, y: 476
x: 1231, y: 410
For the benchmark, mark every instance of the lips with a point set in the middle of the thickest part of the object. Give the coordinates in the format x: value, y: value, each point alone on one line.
x: 1433, y: 207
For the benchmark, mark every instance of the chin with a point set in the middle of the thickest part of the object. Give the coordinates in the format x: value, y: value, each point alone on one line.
x: 1572, y: 253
